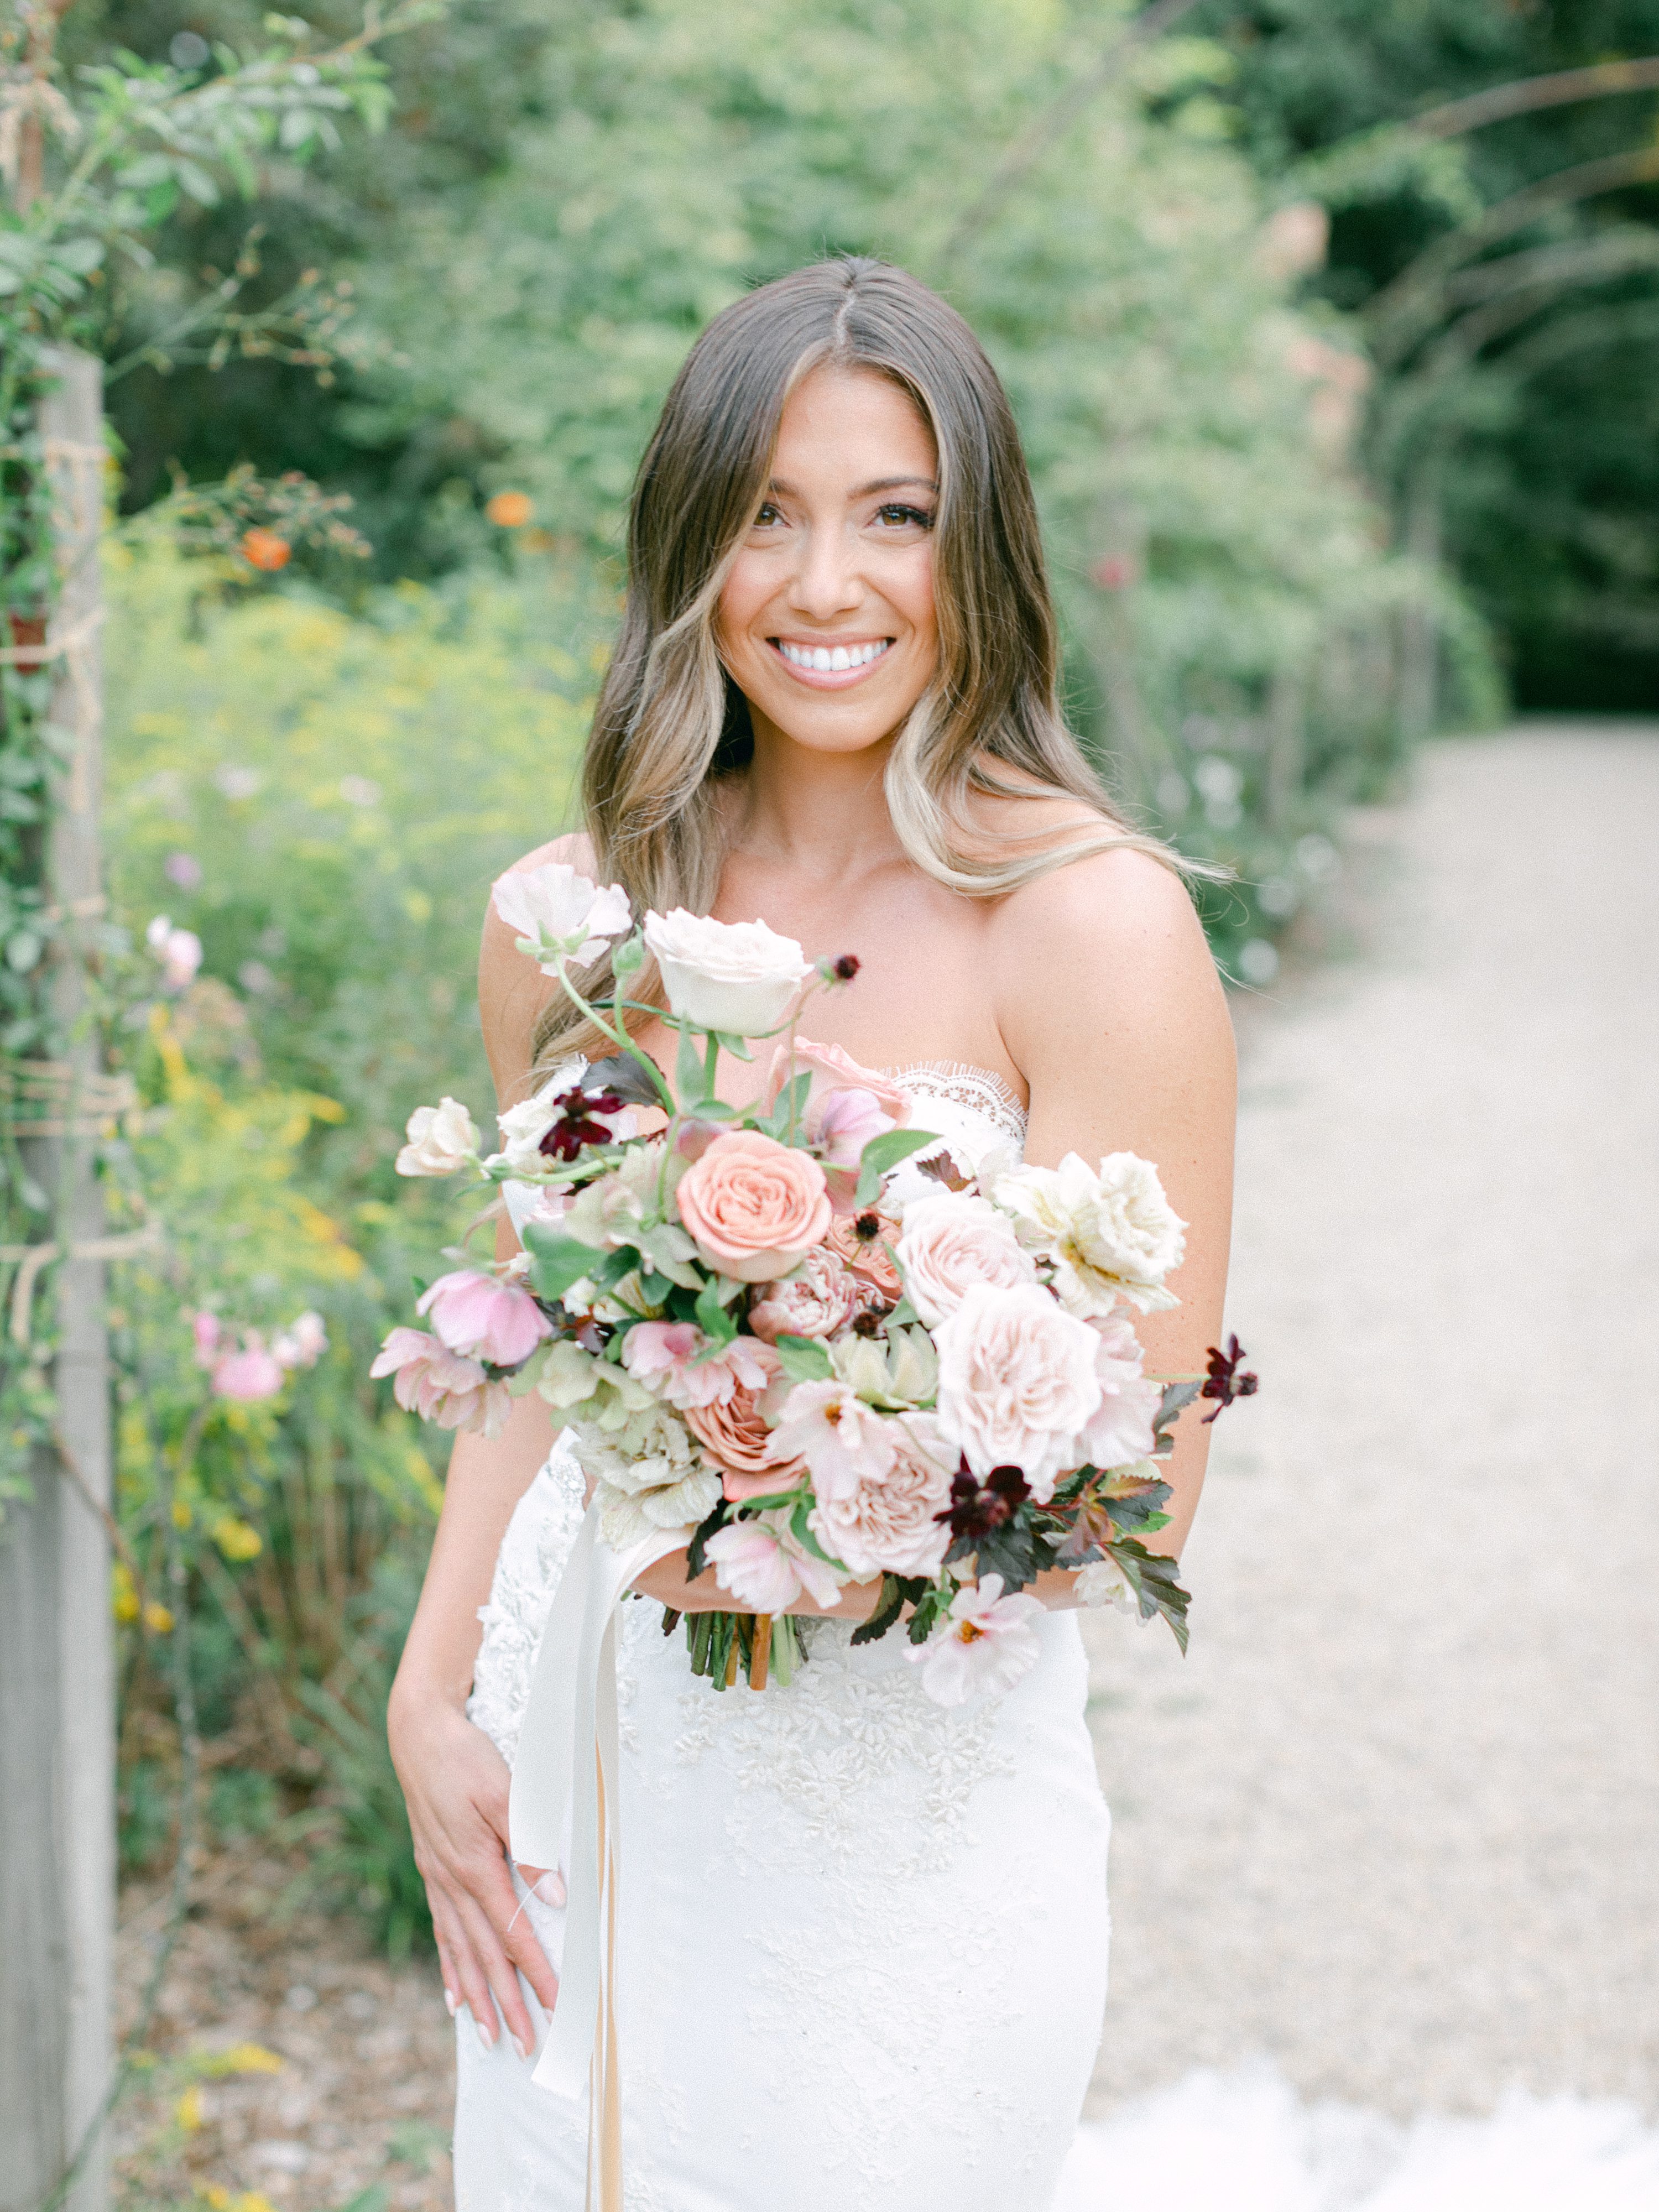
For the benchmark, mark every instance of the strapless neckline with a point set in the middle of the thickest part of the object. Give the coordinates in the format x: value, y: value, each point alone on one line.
x: 979, y: 1091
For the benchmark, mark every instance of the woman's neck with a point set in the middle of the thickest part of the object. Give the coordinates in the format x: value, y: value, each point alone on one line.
x: 823, y: 814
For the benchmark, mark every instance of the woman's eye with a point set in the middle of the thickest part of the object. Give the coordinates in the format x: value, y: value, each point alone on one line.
x: 768, y: 514
x: 896, y: 516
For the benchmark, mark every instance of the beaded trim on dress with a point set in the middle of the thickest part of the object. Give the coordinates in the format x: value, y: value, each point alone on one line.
x: 981, y: 1090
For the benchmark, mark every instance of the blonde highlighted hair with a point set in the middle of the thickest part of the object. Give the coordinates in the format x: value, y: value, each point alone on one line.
x: 671, y: 723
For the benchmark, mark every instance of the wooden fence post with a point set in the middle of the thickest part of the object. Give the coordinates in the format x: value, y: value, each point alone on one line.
x: 56, y: 1643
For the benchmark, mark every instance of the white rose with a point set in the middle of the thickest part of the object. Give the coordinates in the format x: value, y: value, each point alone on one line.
x: 738, y: 977
x: 553, y: 911
x: 441, y: 1139
x: 1016, y: 1383
x: 949, y: 1244
x: 1109, y: 1235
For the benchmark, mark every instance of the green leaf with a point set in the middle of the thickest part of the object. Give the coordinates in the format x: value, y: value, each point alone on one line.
x: 803, y: 1359
x: 897, y: 1590
x: 713, y: 1319
x: 1017, y: 1552
x: 804, y: 1536
x: 688, y: 1070
x: 1152, y: 1576
x: 557, y: 1261
x: 884, y: 1152
x: 694, y: 1559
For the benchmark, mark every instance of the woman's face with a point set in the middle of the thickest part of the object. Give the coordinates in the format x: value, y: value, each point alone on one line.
x: 826, y: 622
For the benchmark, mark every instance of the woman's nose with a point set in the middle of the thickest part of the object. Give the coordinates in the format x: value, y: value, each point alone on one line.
x: 826, y: 581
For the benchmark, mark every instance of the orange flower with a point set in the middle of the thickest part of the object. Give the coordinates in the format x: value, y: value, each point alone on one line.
x: 264, y: 549
x: 511, y: 509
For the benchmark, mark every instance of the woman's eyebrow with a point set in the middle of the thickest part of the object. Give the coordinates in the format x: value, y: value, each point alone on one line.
x: 860, y: 491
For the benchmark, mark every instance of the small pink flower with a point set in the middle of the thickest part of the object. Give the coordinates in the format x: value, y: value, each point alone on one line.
x: 439, y: 1385
x: 303, y: 1344
x: 986, y: 1642
x: 844, y: 1441
x: 480, y: 1315
x: 248, y: 1374
x: 754, y: 1207
x: 822, y: 1298
x: 761, y: 1575
x: 179, y: 951
x: 204, y: 1328
x: 663, y: 1354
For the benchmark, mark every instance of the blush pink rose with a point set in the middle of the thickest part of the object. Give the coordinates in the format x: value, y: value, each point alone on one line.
x: 481, y: 1315
x: 949, y: 1244
x: 754, y: 1207
x: 1017, y: 1382
x: 890, y: 1526
x: 822, y: 1298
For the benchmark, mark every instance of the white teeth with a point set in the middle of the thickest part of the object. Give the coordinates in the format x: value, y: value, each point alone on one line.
x: 831, y: 660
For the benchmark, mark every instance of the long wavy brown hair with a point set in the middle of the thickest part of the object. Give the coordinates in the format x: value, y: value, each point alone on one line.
x: 671, y: 723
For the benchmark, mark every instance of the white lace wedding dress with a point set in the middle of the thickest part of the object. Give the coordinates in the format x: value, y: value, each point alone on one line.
x: 862, y: 1945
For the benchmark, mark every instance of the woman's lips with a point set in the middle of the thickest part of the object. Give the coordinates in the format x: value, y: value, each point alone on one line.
x: 793, y: 652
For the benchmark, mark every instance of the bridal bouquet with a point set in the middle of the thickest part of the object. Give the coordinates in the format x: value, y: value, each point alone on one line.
x: 777, y: 1332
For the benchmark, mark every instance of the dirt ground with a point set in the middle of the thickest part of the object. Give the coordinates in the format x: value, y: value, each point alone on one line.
x: 344, y: 2080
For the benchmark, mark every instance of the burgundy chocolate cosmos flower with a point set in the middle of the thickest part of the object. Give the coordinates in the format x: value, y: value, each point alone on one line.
x: 576, y: 1125
x: 975, y: 1510
x: 1225, y: 1382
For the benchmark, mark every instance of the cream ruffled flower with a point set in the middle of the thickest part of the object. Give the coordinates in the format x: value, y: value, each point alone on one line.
x: 1109, y: 1235
x: 441, y: 1139
x: 649, y: 1478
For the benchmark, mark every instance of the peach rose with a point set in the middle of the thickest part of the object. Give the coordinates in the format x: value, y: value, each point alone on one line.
x: 754, y: 1207
x: 861, y: 1240
x: 735, y: 1435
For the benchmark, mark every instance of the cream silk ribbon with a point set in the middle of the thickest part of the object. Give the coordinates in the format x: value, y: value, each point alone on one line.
x: 565, y: 1783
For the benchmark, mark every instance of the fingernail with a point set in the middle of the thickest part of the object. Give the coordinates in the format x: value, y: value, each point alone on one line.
x: 522, y: 2052
x: 486, y: 2036
x: 449, y: 1999
x: 551, y: 1888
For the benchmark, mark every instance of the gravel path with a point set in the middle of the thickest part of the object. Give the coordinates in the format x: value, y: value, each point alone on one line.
x: 1394, y: 1823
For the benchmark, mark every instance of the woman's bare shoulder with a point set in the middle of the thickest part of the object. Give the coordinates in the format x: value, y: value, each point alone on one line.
x: 1107, y: 945
x: 511, y: 990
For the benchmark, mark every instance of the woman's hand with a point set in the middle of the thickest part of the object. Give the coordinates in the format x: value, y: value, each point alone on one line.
x: 455, y: 1784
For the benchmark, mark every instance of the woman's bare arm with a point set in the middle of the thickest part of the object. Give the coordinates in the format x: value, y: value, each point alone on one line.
x: 1110, y: 1003
x: 454, y: 1780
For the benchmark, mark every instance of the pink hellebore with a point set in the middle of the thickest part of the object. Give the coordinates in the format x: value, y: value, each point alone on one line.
x: 441, y: 1386
x: 303, y: 1343
x: 986, y: 1642
x: 843, y: 1441
x: 480, y: 1315
x: 662, y: 1355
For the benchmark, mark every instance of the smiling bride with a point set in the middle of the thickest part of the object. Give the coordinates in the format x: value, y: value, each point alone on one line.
x: 861, y: 1944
